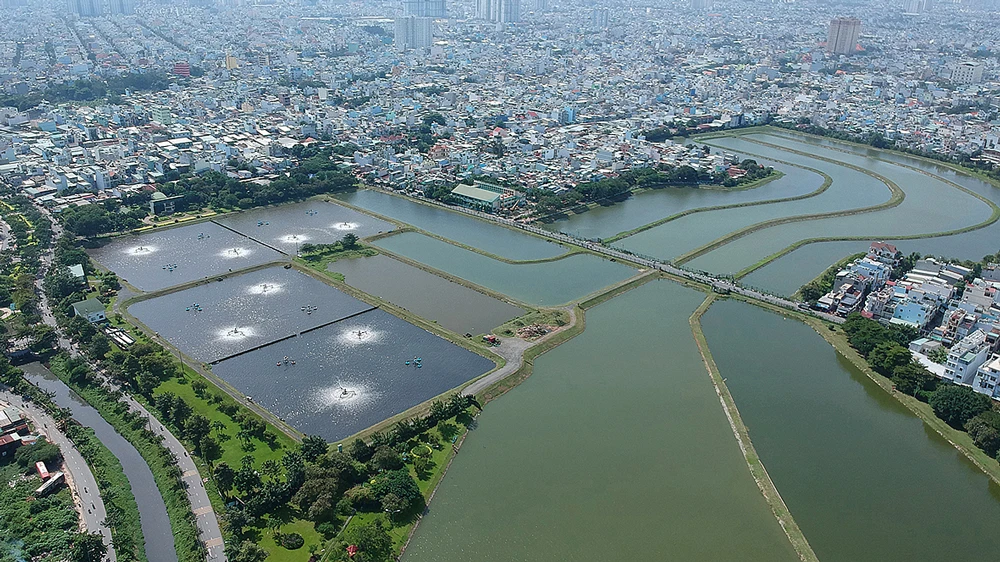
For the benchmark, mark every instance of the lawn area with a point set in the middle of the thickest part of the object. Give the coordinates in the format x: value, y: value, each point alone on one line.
x: 290, y: 524
x: 556, y: 317
x: 225, y: 430
x: 232, y: 451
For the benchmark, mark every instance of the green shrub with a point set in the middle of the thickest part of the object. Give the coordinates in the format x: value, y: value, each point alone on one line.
x: 292, y: 541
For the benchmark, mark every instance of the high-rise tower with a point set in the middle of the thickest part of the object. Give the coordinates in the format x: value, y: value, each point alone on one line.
x: 843, y: 36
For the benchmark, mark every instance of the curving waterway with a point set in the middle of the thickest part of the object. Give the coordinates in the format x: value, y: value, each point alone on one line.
x: 152, y: 511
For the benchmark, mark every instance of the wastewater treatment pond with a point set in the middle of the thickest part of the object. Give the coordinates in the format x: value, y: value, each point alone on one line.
x: 220, y: 318
x: 327, y: 363
x: 352, y: 374
x: 310, y: 222
x: 180, y: 255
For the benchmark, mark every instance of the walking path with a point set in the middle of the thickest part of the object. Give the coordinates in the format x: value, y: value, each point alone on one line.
x: 81, y: 481
x: 512, y: 350
x: 208, y: 524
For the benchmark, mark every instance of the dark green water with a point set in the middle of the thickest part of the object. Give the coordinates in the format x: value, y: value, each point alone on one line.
x: 456, y: 307
x: 616, y: 448
x: 544, y: 284
x: 864, y: 478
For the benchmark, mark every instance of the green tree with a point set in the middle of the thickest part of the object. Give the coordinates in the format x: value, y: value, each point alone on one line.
x: 313, y: 446
x: 40, y: 451
x: 400, y: 484
x: 209, y: 448
x: 199, y: 387
x: 985, y: 431
x: 160, y: 365
x: 88, y: 547
x: 245, y: 551
x: 349, y: 241
x: 225, y: 477
x: 912, y: 377
x: 958, y: 404
x: 372, y: 541
x: 99, y: 346
x: 939, y: 355
x: 196, y: 428
x: 386, y: 458
x: 886, y: 356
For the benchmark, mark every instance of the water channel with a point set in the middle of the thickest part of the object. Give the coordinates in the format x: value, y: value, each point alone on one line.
x: 930, y: 206
x: 788, y: 273
x: 544, y: 284
x: 864, y: 478
x: 649, y: 206
x: 616, y: 448
x: 486, y: 236
x: 152, y: 512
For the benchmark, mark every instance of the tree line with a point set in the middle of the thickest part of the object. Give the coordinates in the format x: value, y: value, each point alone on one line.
x: 548, y: 202
x: 884, y: 347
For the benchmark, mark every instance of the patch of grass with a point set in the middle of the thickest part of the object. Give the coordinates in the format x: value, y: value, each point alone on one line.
x: 232, y: 450
x: 290, y: 523
x: 546, y: 317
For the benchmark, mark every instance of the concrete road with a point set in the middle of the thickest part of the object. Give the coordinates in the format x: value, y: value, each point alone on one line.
x: 78, y: 475
x: 208, y: 524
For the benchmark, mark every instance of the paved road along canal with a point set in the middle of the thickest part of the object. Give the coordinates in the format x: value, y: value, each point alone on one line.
x: 152, y: 511
x: 81, y: 479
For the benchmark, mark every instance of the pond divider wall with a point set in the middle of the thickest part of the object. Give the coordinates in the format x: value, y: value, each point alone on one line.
x: 290, y: 336
x: 265, y: 244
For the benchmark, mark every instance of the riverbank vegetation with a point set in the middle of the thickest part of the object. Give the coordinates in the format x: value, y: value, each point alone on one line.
x: 400, y: 469
x: 823, y: 284
x: 133, y: 426
x: 960, y: 407
x: 119, y: 502
x: 609, y: 189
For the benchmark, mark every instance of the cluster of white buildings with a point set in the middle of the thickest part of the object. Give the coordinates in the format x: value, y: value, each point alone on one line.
x: 368, y: 73
x: 955, y: 316
x: 959, y: 320
x: 865, y: 276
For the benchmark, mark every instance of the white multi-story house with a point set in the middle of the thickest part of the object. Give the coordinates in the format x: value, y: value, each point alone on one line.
x: 986, y: 377
x: 965, y: 358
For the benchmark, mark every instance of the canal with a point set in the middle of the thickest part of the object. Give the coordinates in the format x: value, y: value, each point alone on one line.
x: 616, y: 448
x: 152, y: 512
